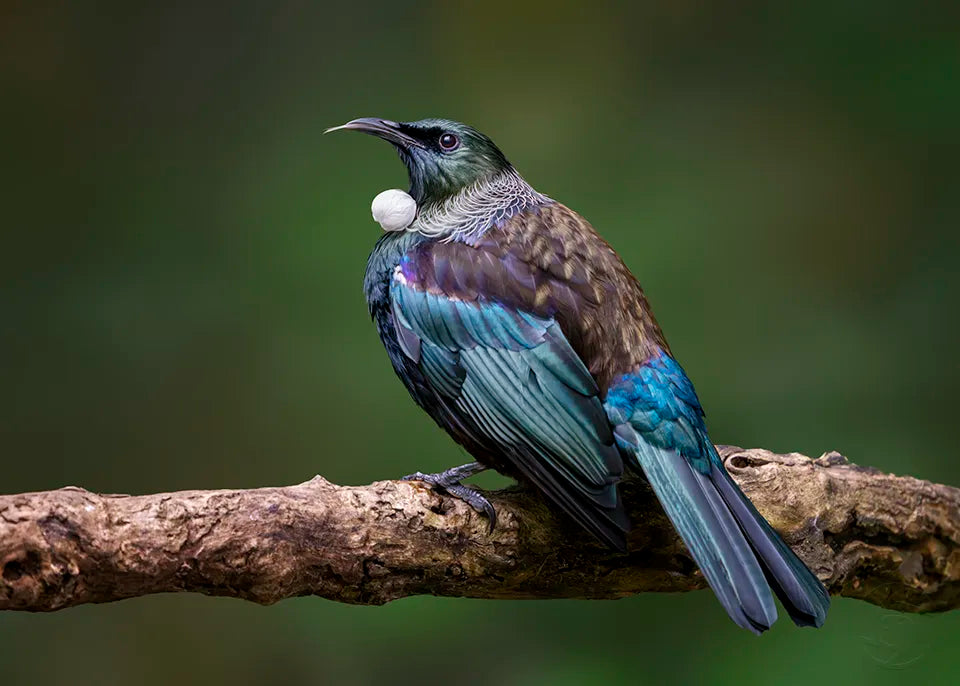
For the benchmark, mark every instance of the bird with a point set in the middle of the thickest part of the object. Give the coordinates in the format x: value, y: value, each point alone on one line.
x: 524, y: 335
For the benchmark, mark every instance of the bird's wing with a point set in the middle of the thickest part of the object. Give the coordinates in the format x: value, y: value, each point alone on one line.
x: 513, y: 379
x: 658, y: 419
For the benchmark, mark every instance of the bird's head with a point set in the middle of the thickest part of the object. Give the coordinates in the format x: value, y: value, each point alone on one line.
x: 442, y: 156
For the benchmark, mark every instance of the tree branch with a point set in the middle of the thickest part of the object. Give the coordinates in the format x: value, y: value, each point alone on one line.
x: 892, y: 541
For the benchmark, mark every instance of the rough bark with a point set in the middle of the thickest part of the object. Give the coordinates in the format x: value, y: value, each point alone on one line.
x: 890, y: 540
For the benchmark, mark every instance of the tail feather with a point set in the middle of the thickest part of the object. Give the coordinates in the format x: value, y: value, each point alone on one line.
x: 712, y: 535
x: 800, y: 591
x: 739, y: 553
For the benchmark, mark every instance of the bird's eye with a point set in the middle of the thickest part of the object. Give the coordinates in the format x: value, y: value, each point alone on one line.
x: 449, y: 142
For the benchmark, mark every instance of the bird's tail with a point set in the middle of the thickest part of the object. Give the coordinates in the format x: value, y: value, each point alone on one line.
x: 739, y: 553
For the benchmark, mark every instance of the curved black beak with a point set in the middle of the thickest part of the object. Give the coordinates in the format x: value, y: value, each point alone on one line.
x: 381, y: 128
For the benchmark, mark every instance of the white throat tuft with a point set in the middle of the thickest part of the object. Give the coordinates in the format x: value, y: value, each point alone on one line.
x: 393, y: 210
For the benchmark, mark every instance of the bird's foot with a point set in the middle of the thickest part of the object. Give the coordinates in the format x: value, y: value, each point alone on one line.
x: 449, y: 480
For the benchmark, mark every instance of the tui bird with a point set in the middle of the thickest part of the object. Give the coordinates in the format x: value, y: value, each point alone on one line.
x: 520, y: 331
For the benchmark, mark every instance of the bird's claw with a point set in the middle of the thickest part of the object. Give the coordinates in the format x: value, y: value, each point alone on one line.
x: 449, y: 482
x: 477, y: 501
x: 417, y: 476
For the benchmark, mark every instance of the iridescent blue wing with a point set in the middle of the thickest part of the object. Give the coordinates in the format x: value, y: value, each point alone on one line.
x: 518, y: 387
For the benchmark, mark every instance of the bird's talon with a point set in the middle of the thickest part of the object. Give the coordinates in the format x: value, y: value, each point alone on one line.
x: 449, y: 482
x: 476, y: 501
x: 416, y: 476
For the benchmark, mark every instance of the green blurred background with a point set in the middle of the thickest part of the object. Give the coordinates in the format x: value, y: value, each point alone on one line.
x: 182, y: 256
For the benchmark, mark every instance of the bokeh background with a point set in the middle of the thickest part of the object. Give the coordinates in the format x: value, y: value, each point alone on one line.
x: 182, y: 252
